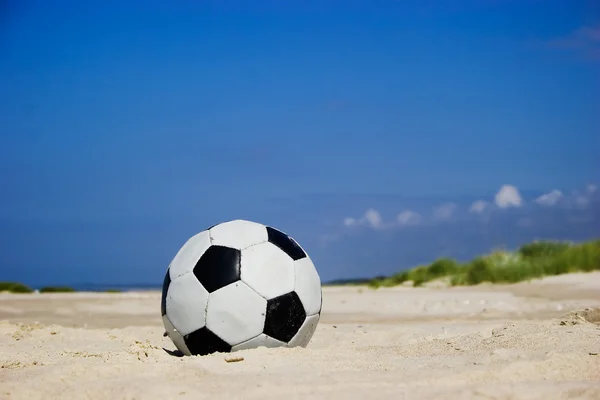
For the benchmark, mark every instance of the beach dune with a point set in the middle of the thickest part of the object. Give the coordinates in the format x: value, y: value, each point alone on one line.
x: 535, y: 340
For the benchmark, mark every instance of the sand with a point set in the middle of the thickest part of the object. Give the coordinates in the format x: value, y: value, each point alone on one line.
x: 534, y: 340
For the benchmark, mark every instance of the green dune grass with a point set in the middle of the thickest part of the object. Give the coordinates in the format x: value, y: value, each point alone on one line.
x: 14, y: 287
x: 530, y: 261
x: 57, y: 289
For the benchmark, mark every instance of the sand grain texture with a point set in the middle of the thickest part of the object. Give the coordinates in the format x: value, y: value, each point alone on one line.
x: 527, y: 341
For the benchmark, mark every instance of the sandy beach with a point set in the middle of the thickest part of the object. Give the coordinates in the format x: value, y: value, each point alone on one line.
x: 536, y: 340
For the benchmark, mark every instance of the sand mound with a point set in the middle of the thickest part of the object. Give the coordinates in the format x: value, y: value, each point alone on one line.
x: 591, y: 315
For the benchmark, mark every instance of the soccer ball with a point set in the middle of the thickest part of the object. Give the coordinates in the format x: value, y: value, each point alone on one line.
x: 240, y: 285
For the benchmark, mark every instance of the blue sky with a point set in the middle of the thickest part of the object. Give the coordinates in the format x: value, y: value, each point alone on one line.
x: 125, y: 127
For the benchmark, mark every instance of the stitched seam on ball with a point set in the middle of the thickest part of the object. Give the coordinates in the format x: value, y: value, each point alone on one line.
x: 254, y: 244
x: 179, y: 276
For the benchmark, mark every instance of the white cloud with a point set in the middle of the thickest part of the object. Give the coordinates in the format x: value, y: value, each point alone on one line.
x: 478, y: 206
x: 408, y: 217
x: 550, y: 198
x: 349, y: 221
x: 372, y: 218
x: 508, y: 196
x: 444, y: 211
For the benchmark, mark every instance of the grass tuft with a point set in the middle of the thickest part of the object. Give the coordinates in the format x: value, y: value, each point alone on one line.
x: 14, y: 287
x: 57, y: 289
x: 530, y: 261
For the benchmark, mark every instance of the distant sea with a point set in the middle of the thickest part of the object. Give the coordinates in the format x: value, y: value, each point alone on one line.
x: 103, y: 287
x: 137, y: 287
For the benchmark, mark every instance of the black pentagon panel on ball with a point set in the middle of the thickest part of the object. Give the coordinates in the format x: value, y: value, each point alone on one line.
x: 203, y: 342
x: 285, y: 316
x: 165, y: 289
x: 218, y: 267
x: 285, y: 243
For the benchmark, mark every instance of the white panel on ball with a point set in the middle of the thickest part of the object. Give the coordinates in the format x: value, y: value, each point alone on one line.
x: 175, y: 336
x: 268, y: 270
x: 236, y: 313
x: 186, y: 303
x: 306, y: 331
x: 238, y: 234
x: 186, y: 258
x: 261, y: 340
x: 308, y: 285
